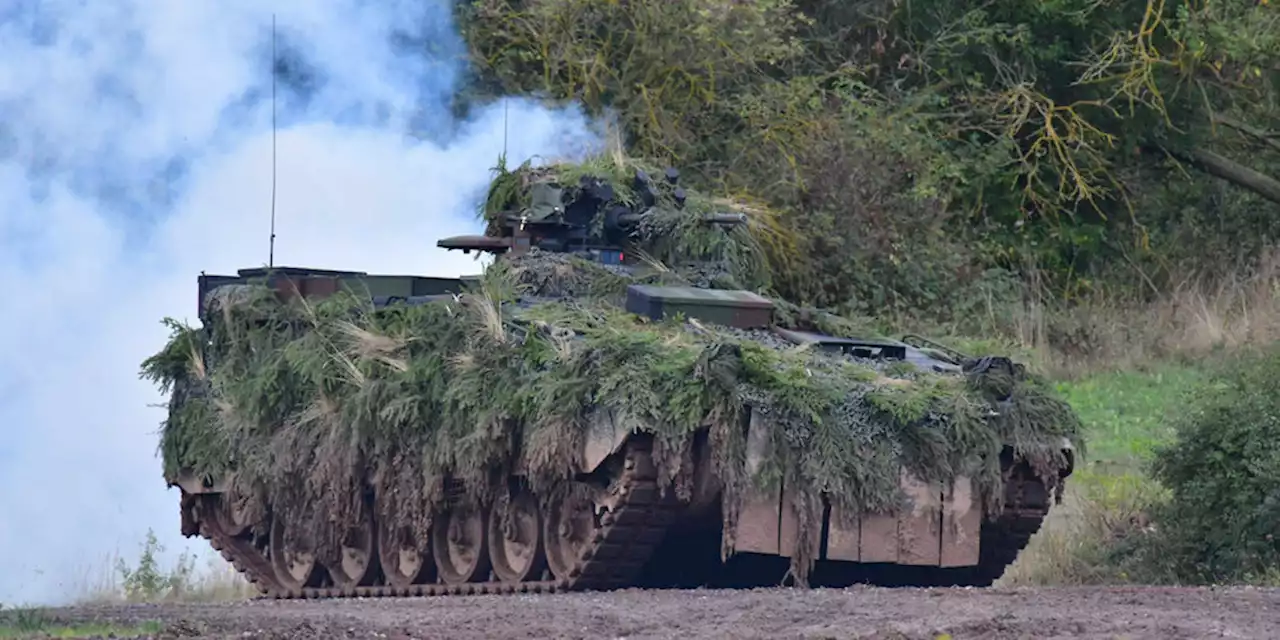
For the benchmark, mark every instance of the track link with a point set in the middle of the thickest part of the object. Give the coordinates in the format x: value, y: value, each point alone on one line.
x: 634, y: 523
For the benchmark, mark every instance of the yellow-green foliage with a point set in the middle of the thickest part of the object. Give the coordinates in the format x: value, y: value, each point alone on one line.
x: 671, y: 67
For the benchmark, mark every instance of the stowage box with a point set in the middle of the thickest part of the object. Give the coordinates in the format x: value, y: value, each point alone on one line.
x: 734, y: 308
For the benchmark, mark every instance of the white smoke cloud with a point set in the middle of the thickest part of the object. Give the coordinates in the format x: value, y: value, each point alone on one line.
x: 135, y: 152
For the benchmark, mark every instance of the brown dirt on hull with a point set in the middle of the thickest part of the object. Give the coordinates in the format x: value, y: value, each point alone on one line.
x: 1132, y: 613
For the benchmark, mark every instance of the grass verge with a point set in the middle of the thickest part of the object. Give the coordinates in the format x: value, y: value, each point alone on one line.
x: 1102, y: 512
x: 20, y: 624
x: 1104, y: 532
x: 1124, y: 413
x: 1109, y: 496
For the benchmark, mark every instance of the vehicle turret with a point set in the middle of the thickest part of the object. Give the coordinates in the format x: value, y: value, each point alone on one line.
x: 590, y: 218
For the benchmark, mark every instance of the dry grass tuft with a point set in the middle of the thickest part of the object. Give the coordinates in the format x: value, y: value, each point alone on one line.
x: 488, y: 309
x: 366, y: 344
x: 1198, y: 316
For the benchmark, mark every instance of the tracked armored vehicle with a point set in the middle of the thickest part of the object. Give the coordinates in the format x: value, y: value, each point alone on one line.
x: 772, y: 447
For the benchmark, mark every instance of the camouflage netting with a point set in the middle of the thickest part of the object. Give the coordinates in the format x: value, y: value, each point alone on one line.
x: 308, y: 401
x: 672, y: 236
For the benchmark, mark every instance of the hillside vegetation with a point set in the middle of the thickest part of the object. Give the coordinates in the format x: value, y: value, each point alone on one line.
x: 952, y: 161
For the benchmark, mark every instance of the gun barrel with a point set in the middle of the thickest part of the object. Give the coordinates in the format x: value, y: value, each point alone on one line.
x: 725, y: 218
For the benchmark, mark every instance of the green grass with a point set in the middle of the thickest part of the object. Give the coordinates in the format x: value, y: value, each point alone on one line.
x: 1125, y: 414
x: 19, y: 624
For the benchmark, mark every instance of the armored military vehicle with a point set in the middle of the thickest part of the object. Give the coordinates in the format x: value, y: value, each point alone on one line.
x: 612, y: 404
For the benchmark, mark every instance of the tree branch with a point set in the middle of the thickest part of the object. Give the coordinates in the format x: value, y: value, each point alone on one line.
x: 1227, y: 169
x: 1265, y: 137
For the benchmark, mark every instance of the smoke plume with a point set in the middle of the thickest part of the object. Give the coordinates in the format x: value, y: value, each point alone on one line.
x: 136, y: 152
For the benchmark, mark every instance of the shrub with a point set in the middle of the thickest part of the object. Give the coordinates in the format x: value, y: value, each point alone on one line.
x: 148, y: 581
x: 1223, y: 474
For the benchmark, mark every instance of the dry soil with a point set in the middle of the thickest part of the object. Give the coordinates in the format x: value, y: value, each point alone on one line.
x: 1166, y: 613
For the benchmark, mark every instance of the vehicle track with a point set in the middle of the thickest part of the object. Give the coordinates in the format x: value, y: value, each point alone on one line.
x: 628, y: 533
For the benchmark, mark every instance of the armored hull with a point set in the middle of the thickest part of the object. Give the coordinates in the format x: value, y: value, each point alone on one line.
x: 608, y: 425
x: 616, y: 523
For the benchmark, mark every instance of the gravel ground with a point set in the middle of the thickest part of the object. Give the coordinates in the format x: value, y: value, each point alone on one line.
x: 1166, y: 613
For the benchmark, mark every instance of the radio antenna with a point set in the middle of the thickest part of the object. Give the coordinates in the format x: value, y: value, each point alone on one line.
x: 271, y: 255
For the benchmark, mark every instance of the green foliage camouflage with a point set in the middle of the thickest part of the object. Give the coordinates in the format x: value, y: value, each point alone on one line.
x: 669, y: 235
x: 306, y: 401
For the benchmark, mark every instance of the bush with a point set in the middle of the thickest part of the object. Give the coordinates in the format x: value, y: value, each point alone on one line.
x: 1223, y: 474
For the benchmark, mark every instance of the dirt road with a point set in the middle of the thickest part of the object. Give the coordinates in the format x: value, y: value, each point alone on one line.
x: 1164, y: 613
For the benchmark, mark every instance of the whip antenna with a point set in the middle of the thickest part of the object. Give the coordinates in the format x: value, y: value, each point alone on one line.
x: 271, y: 256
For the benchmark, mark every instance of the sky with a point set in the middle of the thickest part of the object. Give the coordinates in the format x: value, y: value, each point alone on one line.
x: 136, y: 152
